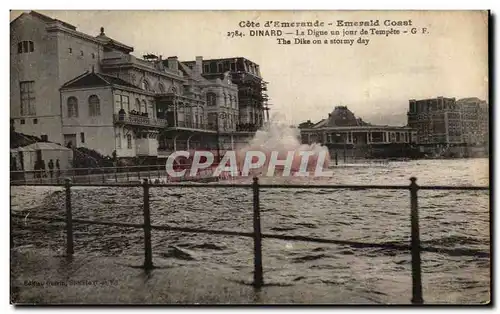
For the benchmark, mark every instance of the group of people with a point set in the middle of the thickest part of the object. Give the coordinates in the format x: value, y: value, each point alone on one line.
x: 40, y: 170
x: 133, y: 112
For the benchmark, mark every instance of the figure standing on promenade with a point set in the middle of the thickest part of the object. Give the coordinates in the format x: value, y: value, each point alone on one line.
x: 51, y: 168
x: 43, y: 168
x: 58, y: 167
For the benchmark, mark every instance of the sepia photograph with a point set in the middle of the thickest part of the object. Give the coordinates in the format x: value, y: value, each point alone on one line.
x: 258, y: 157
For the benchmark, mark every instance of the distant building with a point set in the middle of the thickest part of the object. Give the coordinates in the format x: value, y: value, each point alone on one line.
x: 445, y: 121
x: 343, y: 129
x: 475, y: 120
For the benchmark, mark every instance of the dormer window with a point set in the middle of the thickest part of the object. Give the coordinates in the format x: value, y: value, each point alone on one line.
x: 25, y: 47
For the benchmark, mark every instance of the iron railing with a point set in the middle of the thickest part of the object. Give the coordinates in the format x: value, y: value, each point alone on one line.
x: 139, y: 120
x: 415, y: 246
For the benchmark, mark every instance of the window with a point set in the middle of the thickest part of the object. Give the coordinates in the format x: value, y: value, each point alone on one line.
x: 25, y: 47
x: 161, y: 87
x: 143, y: 106
x: 118, y: 140
x: 150, y: 109
x: 125, y: 103
x: 94, y: 106
x: 35, y: 121
x: 23, y: 121
x: 27, y: 89
x: 72, y: 107
x: 82, y: 137
x: 206, y: 68
x: 211, y: 99
x: 70, y: 50
x: 93, y: 55
x: 81, y: 53
x: 129, y: 141
x: 137, y: 104
x: 219, y: 67
x: 121, y: 102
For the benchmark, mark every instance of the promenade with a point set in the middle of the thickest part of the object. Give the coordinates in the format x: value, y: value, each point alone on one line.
x: 45, y: 277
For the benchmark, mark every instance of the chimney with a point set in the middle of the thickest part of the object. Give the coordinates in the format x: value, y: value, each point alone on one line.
x: 172, y: 63
x: 198, y: 67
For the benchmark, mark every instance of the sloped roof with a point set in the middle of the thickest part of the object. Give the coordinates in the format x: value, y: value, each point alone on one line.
x: 341, y: 117
x: 93, y: 79
x: 42, y: 146
x: 190, y: 73
x: 111, y: 42
x: 44, y: 18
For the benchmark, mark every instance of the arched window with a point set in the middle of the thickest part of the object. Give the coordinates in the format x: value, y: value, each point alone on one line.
x: 94, y: 106
x: 72, y: 107
x: 161, y: 87
x: 145, y: 85
x: 211, y: 99
x: 225, y: 99
x: 137, y: 105
x: 143, y: 106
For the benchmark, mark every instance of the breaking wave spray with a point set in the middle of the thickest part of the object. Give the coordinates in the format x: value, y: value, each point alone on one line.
x: 277, y: 136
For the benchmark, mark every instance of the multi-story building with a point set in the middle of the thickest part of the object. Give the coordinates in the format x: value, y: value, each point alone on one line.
x: 245, y: 74
x: 445, y: 121
x: 475, y: 120
x: 82, y: 90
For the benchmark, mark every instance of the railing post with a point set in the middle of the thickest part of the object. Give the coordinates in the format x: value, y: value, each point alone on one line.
x: 69, y: 220
x: 416, y: 271
x: 116, y: 178
x: 103, y: 176
x: 258, y: 279
x: 148, y: 255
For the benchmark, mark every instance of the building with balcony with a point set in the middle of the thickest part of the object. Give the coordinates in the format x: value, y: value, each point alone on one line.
x: 342, y: 131
x: 82, y: 90
x: 246, y: 75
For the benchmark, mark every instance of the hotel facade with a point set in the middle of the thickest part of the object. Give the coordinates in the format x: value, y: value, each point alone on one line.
x: 90, y: 91
x: 446, y: 121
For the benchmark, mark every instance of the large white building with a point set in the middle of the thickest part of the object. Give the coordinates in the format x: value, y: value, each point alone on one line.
x: 89, y: 91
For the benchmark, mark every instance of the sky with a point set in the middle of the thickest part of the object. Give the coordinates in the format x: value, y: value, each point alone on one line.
x: 306, y: 82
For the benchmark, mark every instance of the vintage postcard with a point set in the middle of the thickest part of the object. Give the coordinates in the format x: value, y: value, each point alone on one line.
x: 249, y: 157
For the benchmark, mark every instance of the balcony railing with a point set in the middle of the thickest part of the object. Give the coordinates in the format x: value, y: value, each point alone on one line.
x: 139, y: 120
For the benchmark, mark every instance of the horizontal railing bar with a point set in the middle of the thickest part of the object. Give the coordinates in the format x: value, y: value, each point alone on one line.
x: 336, y: 186
x: 38, y: 217
x: 82, y: 221
x: 451, y: 188
x: 205, y: 231
x: 264, y: 186
x: 394, y: 246
x: 338, y: 242
x: 108, y: 223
